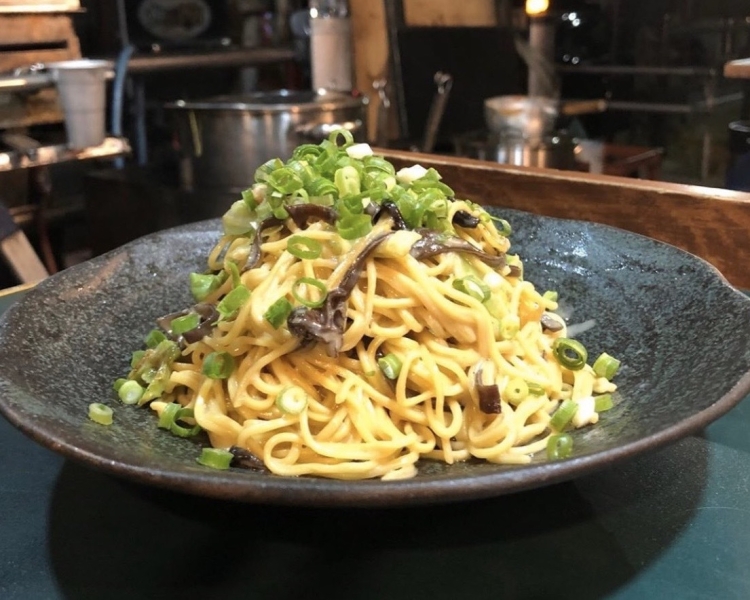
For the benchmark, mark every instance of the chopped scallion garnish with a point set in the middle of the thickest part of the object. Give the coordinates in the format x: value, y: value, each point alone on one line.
x: 130, y: 392
x: 215, y: 458
x: 474, y: 287
x: 218, y: 365
x: 188, y: 322
x: 570, y: 353
x: 515, y: 391
x: 154, y: 338
x: 352, y: 227
x: 304, y: 247
x: 180, y: 430
x: 233, y: 301
x: 101, y: 413
x: 603, y: 403
x: 559, y: 446
x: 563, y: 415
x: 390, y: 365
x: 292, y: 400
x: 309, y: 282
x: 202, y: 285
x: 606, y: 366
x: 278, y: 312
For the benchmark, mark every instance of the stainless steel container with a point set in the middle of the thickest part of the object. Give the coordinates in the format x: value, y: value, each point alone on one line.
x: 549, y: 152
x: 521, y: 116
x: 225, y: 138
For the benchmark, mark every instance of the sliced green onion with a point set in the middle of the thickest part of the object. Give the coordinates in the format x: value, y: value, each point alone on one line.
x: 303, y: 170
x: 322, y: 187
x: 292, y: 400
x: 215, y: 458
x: 515, y: 391
x: 352, y: 227
x: 167, y: 415
x: 157, y: 384
x: 390, y: 364
x: 248, y: 197
x: 347, y: 181
x: 202, y: 285
x: 304, y: 247
x: 309, y: 281
x: 603, y: 403
x: 234, y: 272
x: 185, y: 323
x: 233, y: 301
x: 570, y: 353
x: 378, y: 163
x: 535, y: 389
x: 239, y: 219
x: 278, y: 312
x: 130, y: 392
x: 474, y: 287
x: 100, y: 413
x: 563, y: 415
x: 304, y: 151
x: 154, y: 337
x: 284, y: 180
x: 504, y: 228
x: 218, y: 365
x: 180, y: 430
x: 550, y: 295
x: 606, y: 366
x: 118, y: 384
x: 263, y: 171
x: 137, y: 357
x: 559, y: 446
x: 344, y: 133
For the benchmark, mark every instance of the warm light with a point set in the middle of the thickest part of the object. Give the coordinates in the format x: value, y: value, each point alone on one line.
x: 536, y: 7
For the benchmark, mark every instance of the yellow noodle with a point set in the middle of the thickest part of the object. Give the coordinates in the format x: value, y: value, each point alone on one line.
x: 357, y: 423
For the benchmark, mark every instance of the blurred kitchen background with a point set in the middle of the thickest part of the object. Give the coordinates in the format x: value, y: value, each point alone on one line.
x: 197, y: 94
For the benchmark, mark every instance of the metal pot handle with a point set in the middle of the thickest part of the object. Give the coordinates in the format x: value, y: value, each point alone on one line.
x: 320, y: 131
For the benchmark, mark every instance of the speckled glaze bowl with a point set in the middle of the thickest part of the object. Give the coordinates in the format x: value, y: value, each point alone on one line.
x: 681, y: 331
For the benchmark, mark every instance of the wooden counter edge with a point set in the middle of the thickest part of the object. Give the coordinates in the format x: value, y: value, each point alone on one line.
x: 708, y: 222
x: 737, y: 69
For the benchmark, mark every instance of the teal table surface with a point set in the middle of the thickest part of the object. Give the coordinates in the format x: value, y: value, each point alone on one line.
x: 671, y: 524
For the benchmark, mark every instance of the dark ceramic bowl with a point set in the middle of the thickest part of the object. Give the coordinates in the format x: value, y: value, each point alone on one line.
x: 682, y: 333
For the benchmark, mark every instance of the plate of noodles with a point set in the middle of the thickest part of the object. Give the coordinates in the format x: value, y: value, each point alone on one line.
x: 356, y: 335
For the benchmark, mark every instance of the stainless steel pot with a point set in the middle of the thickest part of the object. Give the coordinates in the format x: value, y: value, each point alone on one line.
x: 225, y: 138
x: 549, y: 152
x: 532, y: 117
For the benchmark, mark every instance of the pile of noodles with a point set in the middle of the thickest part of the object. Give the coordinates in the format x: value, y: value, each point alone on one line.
x: 355, y: 348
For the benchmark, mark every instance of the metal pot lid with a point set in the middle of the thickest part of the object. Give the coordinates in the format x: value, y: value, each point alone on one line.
x: 278, y: 101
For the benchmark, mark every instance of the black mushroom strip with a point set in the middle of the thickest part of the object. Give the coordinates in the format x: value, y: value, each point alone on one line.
x: 302, y: 214
x: 245, y: 459
x: 208, y: 317
x: 326, y: 323
x: 549, y: 323
x: 433, y: 243
x: 489, y: 394
x: 389, y: 207
x: 254, y: 256
x: 465, y: 219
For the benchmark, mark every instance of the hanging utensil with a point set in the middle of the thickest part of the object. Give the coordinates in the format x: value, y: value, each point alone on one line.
x: 381, y: 119
x: 444, y: 83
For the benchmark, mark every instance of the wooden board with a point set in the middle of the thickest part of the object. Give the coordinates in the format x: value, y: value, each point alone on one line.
x: 449, y: 13
x: 370, y: 53
x: 710, y: 223
x: 23, y: 110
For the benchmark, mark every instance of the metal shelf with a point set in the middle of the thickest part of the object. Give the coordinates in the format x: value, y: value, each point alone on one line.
x: 112, y: 147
